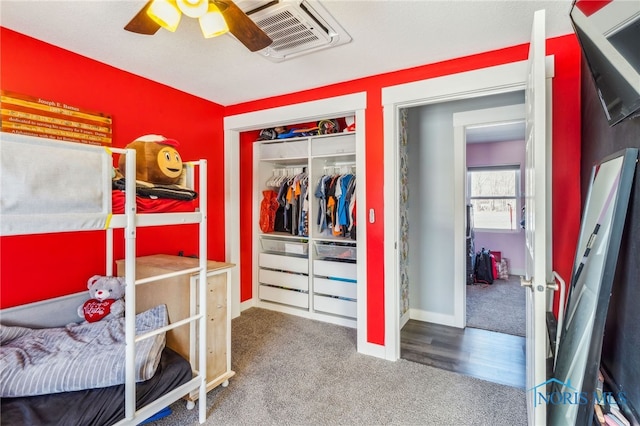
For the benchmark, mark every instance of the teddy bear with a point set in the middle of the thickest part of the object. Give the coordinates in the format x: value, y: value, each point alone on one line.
x: 106, y: 300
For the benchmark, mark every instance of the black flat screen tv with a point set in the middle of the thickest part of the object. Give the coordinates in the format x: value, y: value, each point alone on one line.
x: 609, y: 35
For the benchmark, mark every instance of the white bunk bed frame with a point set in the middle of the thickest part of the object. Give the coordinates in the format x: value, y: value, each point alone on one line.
x: 14, y: 220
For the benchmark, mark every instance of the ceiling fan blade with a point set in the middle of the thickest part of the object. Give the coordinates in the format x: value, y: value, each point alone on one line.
x: 243, y: 28
x: 142, y: 23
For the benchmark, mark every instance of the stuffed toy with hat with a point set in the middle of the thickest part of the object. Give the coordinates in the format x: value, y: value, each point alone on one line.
x: 157, y: 160
x: 106, y: 299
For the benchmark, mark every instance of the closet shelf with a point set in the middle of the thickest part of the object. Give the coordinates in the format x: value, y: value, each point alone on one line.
x: 330, y: 239
x: 285, y: 162
x: 297, y: 149
x: 284, y: 246
x: 336, y: 251
x: 283, y: 236
x: 335, y: 146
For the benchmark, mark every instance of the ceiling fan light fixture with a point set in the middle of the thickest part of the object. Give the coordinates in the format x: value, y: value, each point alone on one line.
x: 212, y: 23
x: 193, y: 8
x: 165, y: 13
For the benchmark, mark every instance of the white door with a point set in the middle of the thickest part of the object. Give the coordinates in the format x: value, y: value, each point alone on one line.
x: 537, y: 220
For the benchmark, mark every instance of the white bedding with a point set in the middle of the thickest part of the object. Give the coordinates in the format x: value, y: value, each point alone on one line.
x: 77, y: 356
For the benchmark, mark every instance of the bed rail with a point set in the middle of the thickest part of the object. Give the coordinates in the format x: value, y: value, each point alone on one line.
x: 53, y: 186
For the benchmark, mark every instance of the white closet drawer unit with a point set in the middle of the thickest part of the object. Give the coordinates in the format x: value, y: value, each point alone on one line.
x: 293, y: 149
x: 284, y: 279
x: 287, y: 297
x: 284, y: 263
x: 344, y: 144
x: 344, y: 270
x: 335, y: 288
x: 335, y: 306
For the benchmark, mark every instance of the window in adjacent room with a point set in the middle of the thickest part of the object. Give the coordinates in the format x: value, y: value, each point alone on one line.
x: 494, y: 192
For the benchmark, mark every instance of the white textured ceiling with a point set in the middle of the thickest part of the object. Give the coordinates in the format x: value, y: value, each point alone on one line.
x: 387, y: 36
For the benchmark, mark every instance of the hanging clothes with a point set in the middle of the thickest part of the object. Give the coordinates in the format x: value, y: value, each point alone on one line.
x: 345, y: 198
x: 291, y: 216
x: 321, y: 195
x: 283, y: 214
x: 336, y: 196
x: 303, y: 222
x: 346, y: 207
x: 268, y: 208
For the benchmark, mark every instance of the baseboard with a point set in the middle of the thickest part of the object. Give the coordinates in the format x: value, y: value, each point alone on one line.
x: 519, y: 272
x: 250, y: 303
x: 404, y: 319
x: 433, y: 317
x: 372, y: 349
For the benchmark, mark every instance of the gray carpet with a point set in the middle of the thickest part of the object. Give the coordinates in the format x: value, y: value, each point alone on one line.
x: 295, y: 371
x: 497, y: 307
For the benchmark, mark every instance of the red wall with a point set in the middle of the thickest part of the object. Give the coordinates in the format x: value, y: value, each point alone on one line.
x: 567, y: 142
x: 139, y: 106
x: 62, y: 263
x: 566, y: 158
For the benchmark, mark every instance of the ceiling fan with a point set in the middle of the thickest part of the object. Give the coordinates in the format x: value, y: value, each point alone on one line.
x: 216, y: 17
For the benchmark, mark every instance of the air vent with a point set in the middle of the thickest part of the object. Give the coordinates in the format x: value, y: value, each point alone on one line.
x: 296, y: 28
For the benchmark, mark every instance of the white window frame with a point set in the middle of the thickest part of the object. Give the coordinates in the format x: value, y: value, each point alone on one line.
x: 518, y: 195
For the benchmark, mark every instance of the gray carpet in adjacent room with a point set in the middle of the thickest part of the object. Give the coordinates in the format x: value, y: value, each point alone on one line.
x: 295, y: 371
x: 497, y: 307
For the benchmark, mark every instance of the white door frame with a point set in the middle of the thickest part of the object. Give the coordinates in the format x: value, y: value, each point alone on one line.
x: 538, y: 217
x: 351, y: 104
x: 471, y: 84
x: 462, y: 120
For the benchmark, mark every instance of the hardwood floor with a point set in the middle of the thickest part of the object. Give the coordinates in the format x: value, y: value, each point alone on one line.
x: 487, y: 355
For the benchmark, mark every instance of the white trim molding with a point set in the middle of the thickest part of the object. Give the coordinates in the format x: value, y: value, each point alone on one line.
x: 462, y: 120
x: 351, y: 104
x: 433, y: 317
x: 471, y: 84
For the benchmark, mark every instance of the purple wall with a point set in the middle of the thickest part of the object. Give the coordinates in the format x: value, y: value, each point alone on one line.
x: 510, y: 243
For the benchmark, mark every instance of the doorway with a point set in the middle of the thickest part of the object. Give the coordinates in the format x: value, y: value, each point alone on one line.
x: 501, y: 79
x: 428, y: 191
x: 428, y: 249
x: 495, y: 156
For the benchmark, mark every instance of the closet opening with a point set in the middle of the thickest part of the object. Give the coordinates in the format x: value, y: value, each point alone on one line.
x: 243, y: 237
x: 445, y: 149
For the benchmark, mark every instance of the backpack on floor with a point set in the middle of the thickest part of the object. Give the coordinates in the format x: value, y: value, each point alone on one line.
x: 483, y: 267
